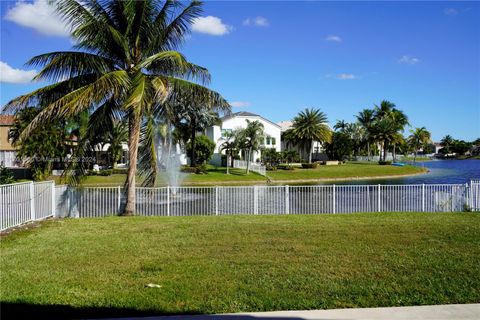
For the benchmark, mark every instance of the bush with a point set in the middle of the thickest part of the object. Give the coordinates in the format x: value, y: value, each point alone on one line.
x: 285, y: 167
x: 6, y: 176
x: 204, y: 148
x: 271, y: 168
x: 309, y: 165
x: 187, y: 169
x: 107, y: 172
x: 120, y: 171
x: 384, y: 163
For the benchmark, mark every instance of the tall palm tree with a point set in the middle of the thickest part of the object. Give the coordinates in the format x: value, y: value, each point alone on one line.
x: 383, y: 132
x: 308, y: 126
x: 366, y: 118
x: 125, y: 59
x: 418, y: 138
x: 251, y: 139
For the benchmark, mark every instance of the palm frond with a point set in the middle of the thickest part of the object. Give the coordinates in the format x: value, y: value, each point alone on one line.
x: 147, y: 157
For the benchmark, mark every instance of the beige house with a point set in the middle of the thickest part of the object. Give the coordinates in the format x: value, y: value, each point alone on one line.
x: 7, y: 151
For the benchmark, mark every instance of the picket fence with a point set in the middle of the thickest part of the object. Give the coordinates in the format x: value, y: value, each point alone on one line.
x: 26, y: 202
x: 255, y: 167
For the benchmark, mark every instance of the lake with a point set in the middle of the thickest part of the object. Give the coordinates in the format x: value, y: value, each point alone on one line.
x: 441, y: 171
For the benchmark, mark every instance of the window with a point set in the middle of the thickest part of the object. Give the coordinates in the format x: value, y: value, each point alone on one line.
x: 224, y: 131
x: 274, y: 141
x: 268, y: 141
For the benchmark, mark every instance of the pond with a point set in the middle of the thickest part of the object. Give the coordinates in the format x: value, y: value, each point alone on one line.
x: 440, y: 171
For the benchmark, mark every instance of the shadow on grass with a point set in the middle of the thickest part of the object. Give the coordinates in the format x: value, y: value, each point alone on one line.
x: 11, y: 310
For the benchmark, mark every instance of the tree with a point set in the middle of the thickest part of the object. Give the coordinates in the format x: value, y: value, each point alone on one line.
x: 229, y: 145
x: 383, y: 132
x: 447, y: 143
x: 340, y: 146
x: 43, y: 146
x: 366, y: 118
x: 251, y: 139
x: 308, y: 126
x: 126, y: 61
x: 418, y: 138
x: 116, y: 136
x: 203, y: 150
x: 270, y: 156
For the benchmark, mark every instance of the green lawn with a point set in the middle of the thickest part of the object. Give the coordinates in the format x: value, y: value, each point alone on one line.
x: 238, y: 176
x: 348, y: 170
x: 100, y: 267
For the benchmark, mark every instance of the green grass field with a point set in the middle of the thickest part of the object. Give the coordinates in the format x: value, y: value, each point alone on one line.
x: 100, y: 267
x: 238, y: 176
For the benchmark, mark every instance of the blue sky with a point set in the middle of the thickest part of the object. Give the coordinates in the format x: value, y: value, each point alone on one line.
x: 276, y: 58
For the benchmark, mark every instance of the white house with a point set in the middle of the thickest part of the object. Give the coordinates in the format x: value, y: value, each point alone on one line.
x: 238, y: 120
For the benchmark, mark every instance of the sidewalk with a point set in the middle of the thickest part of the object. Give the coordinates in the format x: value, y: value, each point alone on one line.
x: 440, y: 312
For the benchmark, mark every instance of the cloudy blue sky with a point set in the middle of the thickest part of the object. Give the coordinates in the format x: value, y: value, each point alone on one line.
x: 276, y: 58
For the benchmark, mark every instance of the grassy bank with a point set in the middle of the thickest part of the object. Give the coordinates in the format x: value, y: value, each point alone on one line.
x: 352, y: 170
x: 100, y: 267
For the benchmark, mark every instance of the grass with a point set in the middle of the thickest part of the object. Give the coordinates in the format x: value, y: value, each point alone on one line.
x: 348, y: 170
x: 216, y: 175
x: 100, y: 267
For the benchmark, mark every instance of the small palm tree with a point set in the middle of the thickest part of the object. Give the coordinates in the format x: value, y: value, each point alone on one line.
x: 230, y: 144
x: 251, y: 139
x: 125, y: 59
x: 418, y: 138
x: 308, y: 126
x: 116, y: 136
x: 447, y: 142
x: 384, y: 131
x: 366, y: 118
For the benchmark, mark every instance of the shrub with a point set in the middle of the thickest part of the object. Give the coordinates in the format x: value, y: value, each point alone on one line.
x: 285, y: 167
x: 120, y: 171
x: 6, y: 175
x: 309, y: 165
x: 107, y: 172
x: 271, y: 168
x: 187, y: 169
x: 384, y: 163
x: 204, y: 148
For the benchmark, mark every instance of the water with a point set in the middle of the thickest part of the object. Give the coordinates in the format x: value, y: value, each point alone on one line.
x: 440, y: 171
x: 168, y: 158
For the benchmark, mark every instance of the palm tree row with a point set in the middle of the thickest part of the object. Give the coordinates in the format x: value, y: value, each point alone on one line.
x: 125, y: 60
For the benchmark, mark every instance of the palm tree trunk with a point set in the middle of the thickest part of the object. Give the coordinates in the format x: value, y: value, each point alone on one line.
x: 134, y: 136
x: 248, y: 159
x: 394, y: 153
x: 228, y: 158
x: 310, y: 152
x: 192, y: 155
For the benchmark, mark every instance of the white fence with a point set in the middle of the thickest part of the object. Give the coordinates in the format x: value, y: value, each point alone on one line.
x: 24, y: 202
x: 255, y: 167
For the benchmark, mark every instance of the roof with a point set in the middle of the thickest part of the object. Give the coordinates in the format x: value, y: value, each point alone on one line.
x: 6, y: 120
x: 247, y: 114
x: 285, y: 125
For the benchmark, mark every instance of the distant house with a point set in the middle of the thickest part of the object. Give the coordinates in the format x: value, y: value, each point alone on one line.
x: 238, y: 120
x: 318, y: 150
x: 8, y: 152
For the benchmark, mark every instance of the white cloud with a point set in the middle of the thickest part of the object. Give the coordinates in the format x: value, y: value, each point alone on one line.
x: 407, y: 59
x: 346, y: 76
x: 450, y: 12
x: 333, y: 38
x: 257, y: 22
x: 211, y: 25
x: 38, y: 15
x: 11, y: 75
x: 240, y: 104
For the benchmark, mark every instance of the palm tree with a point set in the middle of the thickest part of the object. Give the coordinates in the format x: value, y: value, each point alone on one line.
x: 116, y: 136
x: 308, y: 126
x: 418, y: 138
x: 251, y: 139
x: 366, y: 118
x: 124, y: 60
x: 383, y: 132
x: 447, y: 142
x: 229, y: 144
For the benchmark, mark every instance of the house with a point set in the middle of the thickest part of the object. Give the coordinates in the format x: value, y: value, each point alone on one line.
x: 7, y: 150
x: 318, y: 151
x: 238, y: 120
